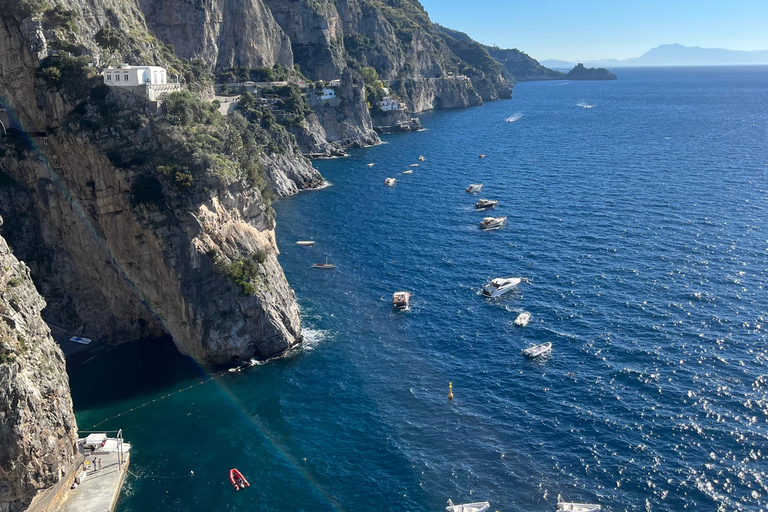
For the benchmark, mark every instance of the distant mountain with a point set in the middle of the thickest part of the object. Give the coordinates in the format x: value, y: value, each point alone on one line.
x: 678, y: 55
x: 557, y: 64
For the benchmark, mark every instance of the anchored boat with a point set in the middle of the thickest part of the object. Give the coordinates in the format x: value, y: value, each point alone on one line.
x: 237, y: 479
x: 480, y: 506
x: 490, y: 223
x: 307, y: 243
x: 390, y: 182
x: 536, y: 351
x: 500, y: 286
x: 484, y: 204
x: 566, y: 506
x: 523, y: 319
x: 401, y: 300
x: 474, y: 187
x: 325, y: 265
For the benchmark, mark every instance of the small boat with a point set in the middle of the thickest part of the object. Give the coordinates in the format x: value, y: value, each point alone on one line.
x: 413, y: 165
x: 490, y: 223
x: 474, y: 187
x: 400, y: 300
x: 481, y: 155
x: 308, y: 243
x: 408, y: 172
x: 370, y: 165
x: 324, y: 265
x: 237, y: 479
x: 483, y: 204
x: 523, y: 319
x: 576, y: 507
x: 500, y: 286
x: 390, y: 182
x: 421, y: 158
x: 536, y: 351
x: 78, y: 339
x: 480, y: 506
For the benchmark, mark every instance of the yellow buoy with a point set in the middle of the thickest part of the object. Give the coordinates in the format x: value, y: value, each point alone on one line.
x: 450, y: 391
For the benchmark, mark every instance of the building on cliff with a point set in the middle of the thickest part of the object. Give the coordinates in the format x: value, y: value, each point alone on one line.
x: 389, y: 104
x: 151, y: 81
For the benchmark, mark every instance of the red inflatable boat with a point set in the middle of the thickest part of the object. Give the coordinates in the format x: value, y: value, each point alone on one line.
x: 237, y: 479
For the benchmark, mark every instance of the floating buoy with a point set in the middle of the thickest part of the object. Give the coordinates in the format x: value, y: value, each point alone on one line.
x: 450, y: 391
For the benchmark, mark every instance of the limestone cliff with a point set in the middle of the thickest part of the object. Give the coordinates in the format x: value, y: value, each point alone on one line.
x: 37, y: 426
x: 436, y: 93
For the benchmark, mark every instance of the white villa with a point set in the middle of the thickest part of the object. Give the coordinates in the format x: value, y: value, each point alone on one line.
x: 389, y: 103
x: 336, y: 82
x: 327, y: 94
x: 149, y: 80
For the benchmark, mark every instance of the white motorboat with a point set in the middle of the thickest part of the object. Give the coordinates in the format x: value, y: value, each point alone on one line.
x: 413, y: 165
x: 480, y: 506
x: 390, y: 182
x: 421, y: 158
x: 481, y: 155
x: 326, y: 265
x: 523, y: 319
x: 408, y: 172
x: 500, y: 286
x: 401, y: 300
x: 536, y: 351
x: 307, y: 243
x: 490, y: 223
x: 474, y: 187
x: 566, y: 506
x: 370, y: 165
x: 484, y: 204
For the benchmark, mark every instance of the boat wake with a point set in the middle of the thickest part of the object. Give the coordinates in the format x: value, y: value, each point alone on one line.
x: 585, y: 105
x: 514, y: 117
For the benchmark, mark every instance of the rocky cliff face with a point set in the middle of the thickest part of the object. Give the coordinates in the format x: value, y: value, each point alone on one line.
x: 436, y: 93
x: 398, y: 121
x: 37, y: 426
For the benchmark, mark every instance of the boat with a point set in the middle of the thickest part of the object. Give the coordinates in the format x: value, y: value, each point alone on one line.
x: 370, y: 165
x: 483, y: 204
x: 78, y: 339
x: 490, y: 223
x: 400, y: 300
x: 421, y: 158
x: 307, y: 243
x: 408, y: 172
x: 500, y: 286
x: 480, y: 506
x: 536, y: 351
x: 389, y: 182
x: 576, y: 507
x: 413, y: 165
x: 481, y: 155
x: 474, y: 187
x: 237, y: 479
x: 324, y: 265
x: 523, y: 319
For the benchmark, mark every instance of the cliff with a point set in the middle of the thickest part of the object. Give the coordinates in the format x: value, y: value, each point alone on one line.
x: 37, y: 426
x: 436, y: 93
x: 579, y: 72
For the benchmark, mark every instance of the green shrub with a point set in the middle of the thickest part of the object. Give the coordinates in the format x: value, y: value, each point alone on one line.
x: 244, y: 271
x: 15, y: 281
x: 59, y: 17
x: 110, y: 39
x: 22, y: 8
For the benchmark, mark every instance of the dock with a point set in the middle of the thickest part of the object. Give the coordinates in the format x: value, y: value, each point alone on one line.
x: 99, y: 489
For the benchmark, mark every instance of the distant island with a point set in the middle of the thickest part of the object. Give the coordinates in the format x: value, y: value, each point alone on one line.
x: 676, y: 55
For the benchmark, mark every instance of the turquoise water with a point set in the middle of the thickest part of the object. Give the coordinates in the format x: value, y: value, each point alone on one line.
x: 641, y: 227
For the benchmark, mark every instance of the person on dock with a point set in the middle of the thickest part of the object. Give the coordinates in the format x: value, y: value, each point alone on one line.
x: 99, y: 463
x: 94, y: 465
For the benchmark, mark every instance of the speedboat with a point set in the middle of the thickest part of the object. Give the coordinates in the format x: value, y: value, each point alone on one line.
x: 421, y: 158
x: 576, y: 507
x: 237, y: 479
x: 408, y: 172
x: 474, y: 187
x: 523, y: 319
x: 413, y: 165
x: 481, y: 155
x: 389, y: 182
x: 480, y: 506
x: 325, y: 265
x: 370, y: 165
x: 483, y: 204
x: 500, y: 286
x: 400, y: 300
x: 308, y: 243
x: 490, y: 223
x: 536, y: 351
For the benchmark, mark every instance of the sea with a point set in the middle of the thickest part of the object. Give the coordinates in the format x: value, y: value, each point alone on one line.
x: 636, y: 216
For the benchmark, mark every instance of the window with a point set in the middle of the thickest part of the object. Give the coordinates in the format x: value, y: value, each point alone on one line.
x: 109, y: 77
x: 117, y: 78
x: 125, y: 77
x: 45, y: 140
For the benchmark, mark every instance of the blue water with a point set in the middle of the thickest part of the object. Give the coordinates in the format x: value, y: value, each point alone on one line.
x: 641, y: 227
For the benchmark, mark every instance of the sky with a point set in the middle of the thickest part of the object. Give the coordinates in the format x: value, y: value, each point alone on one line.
x: 577, y: 30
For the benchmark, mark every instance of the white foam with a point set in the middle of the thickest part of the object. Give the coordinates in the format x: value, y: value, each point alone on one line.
x: 514, y: 117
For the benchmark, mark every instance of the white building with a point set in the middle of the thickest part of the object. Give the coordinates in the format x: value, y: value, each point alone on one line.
x: 152, y: 81
x: 328, y: 94
x: 389, y: 103
x: 336, y: 83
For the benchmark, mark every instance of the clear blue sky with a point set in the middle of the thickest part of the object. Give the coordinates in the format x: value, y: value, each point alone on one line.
x: 596, y: 29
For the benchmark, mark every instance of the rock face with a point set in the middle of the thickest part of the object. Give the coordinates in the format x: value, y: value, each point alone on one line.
x: 37, y: 426
x: 223, y: 33
x: 436, y: 93
x: 398, y: 121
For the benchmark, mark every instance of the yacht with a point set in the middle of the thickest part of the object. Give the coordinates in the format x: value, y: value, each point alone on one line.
x: 413, y: 165
x: 565, y: 506
x: 401, y: 300
x: 523, y: 319
x: 370, y: 165
x: 500, y: 286
x: 484, y: 204
x: 325, y: 265
x: 308, y: 243
x: 480, y: 506
x: 490, y: 223
x: 421, y: 158
x: 481, y: 155
x: 390, y: 182
x: 408, y: 172
x: 539, y: 350
x: 474, y: 187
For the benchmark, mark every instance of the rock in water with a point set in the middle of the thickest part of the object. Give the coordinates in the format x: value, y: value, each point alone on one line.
x: 37, y: 427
